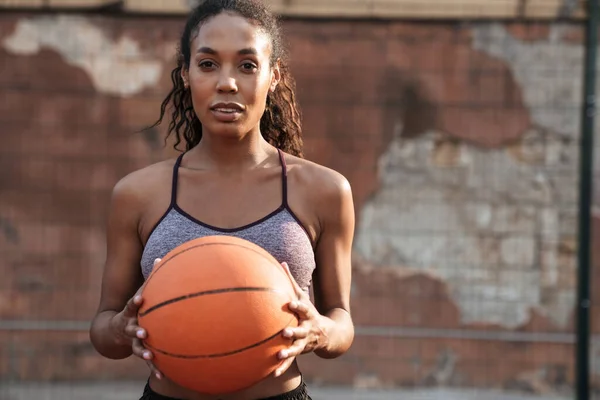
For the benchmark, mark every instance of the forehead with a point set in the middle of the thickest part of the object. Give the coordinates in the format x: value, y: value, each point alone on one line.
x: 228, y: 32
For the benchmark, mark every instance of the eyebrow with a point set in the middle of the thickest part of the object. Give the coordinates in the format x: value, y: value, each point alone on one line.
x: 246, y: 51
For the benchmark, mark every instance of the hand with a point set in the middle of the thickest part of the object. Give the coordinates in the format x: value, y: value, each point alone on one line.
x: 128, y: 332
x: 309, y: 335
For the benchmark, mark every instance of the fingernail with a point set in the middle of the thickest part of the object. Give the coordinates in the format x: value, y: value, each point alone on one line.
x: 293, y: 304
x: 137, y: 298
x: 158, y: 376
x: 283, y: 354
x: 147, y: 355
x: 287, y: 333
x: 140, y: 333
x: 277, y: 373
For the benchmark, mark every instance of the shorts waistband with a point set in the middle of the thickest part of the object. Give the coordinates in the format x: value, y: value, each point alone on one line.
x: 300, y: 393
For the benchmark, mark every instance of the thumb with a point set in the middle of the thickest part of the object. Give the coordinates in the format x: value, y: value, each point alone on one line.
x: 133, y: 305
x: 295, y: 285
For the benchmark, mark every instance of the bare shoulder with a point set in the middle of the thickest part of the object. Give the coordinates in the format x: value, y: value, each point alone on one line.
x: 333, y: 187
x: 138, y: 187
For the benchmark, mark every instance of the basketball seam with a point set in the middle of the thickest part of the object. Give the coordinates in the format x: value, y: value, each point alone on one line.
x: 217, y: 355
x: 163, y: 263
x: 205, y: 293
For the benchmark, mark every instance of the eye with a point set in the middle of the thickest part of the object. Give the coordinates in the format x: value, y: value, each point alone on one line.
x: 206, y: 64
x: 249, y: 67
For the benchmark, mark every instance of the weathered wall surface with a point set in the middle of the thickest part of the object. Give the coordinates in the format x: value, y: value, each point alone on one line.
x: 460, y: 142
x: 436, y: 9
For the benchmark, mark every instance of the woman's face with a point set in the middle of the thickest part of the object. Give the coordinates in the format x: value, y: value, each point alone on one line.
x: 230, y: 75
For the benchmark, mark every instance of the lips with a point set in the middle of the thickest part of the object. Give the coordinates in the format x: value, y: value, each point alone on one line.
x: 227, y: 112
x: 222, y: 106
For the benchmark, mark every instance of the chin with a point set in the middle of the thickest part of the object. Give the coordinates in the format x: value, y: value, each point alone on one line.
x: 227, y: 130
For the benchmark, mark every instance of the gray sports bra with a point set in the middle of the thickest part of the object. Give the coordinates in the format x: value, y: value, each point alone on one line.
x: 280, y: 233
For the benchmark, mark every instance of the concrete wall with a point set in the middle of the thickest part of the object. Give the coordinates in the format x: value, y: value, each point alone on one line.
x: 460, y: 141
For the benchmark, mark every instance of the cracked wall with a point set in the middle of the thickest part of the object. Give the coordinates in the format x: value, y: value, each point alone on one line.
x: 496, y: 222
x: 114, y: 66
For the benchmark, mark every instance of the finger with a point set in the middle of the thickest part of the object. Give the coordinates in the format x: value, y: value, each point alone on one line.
x: 135, y: 331
x: 295, y: 333
x: 140, y: 351
x: 133, y: 305
x: 283, y: 367
x: 300, y: 308
x: 154, y: 370
x: 297, y: 287
x: 295, y: 350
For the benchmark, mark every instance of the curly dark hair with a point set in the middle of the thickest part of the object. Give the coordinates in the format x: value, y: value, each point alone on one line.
x: 280, y: 124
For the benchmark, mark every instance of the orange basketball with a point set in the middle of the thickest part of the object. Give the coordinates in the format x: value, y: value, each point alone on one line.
x: 214, y: 309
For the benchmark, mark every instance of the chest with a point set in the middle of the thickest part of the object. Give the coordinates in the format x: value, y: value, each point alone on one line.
x: 229, y: 202
x: 279, y: 234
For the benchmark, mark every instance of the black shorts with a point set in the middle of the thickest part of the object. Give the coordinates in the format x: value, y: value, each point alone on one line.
x: 300, y: 393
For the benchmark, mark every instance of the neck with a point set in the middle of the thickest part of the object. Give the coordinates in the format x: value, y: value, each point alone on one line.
x: 229, y: 154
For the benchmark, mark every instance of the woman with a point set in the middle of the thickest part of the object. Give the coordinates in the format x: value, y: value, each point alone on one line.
x: 242, y: 174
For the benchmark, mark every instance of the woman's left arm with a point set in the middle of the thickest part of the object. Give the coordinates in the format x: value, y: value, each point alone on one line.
x: 326, y: 328
x: 333, y: 275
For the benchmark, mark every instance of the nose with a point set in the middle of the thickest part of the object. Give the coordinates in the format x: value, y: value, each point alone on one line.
x: 226, y: 83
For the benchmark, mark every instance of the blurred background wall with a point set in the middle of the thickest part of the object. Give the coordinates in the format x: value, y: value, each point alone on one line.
x: 456, y: 122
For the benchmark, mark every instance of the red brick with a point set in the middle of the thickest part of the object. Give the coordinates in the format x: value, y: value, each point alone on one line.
x: 63, y: 356
x: 530, y: 32
x: 45, y: 72
x: 69, y: 144
x: 340, y: 371
x: 388, y: 372
x: 400, y: 349
x: 574, y: 34
x: 139, y: 112
x: 57, y: 109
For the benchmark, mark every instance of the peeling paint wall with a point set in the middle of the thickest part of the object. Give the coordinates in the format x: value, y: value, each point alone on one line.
x: 498, y: 224
x: 115, y: 66
x: 482, y: 220
x: 459, y: 140
x: 436, y: 9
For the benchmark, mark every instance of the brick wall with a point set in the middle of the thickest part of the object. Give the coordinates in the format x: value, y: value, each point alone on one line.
x: 460, y: 141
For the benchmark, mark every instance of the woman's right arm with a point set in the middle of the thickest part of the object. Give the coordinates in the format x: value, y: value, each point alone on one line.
x: 114, y: 327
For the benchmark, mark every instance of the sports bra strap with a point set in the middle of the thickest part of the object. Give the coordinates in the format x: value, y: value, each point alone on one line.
x: 283, y: 178
x: 174, y: 184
